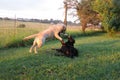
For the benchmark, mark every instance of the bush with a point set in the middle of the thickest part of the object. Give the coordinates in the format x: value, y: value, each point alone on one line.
x: 21, y: 26
x: 109, y: 14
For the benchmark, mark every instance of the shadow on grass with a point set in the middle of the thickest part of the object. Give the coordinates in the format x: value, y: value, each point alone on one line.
x: 17, y: 44
x: 89, y: 33
x: 20, y: 43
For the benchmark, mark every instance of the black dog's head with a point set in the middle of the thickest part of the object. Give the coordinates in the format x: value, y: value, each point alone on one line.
x: 70, y: 41
x: 68, y: 48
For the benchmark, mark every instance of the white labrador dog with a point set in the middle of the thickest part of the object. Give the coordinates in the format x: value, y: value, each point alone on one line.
x: 52, y: 31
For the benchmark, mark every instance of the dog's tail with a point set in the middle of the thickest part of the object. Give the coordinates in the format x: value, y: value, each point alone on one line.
x: 30, y: 37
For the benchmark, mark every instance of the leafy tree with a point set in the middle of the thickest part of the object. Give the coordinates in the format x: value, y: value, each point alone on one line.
x: 84, y: 11
x: 68, y: 4
x: 109, y: 14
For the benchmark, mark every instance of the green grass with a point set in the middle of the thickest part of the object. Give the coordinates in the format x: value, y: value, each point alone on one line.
x: 12, y: 36
x: 99, y: 58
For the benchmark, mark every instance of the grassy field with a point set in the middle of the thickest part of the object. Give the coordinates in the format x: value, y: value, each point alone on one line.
x: 99, y: 57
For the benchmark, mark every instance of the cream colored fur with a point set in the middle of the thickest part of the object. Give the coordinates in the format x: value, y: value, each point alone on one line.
x: 52, y: 31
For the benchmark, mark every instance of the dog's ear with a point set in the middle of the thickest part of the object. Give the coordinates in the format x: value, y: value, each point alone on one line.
x: 70, y: 38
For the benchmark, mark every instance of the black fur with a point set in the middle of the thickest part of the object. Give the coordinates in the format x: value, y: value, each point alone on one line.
x: 67, y: 48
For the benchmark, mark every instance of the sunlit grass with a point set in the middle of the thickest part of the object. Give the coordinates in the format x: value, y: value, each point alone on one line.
x: 9, y: 34
x: 99, y: 58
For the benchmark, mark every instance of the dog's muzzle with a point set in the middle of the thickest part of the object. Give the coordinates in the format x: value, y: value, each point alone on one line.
x: 63, y: 30
x: 66, y: 34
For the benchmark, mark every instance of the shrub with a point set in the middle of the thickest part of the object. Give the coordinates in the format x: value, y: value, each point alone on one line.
x: 109, y: 14
x: 21, y: 26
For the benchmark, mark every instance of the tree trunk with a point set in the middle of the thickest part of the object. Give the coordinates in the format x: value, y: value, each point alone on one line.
x: 84, y: 25
x: 65, y: 18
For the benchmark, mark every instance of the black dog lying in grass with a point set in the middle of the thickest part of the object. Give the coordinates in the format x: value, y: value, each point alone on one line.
x: 68, y: 49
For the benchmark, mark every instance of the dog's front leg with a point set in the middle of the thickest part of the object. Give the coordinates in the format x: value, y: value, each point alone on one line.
x: 58, y: 37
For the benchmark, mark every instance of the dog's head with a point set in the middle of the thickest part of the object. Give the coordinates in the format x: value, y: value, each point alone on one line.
x: 70, y: 41
x: 68, y: 48
x: 63, y: 29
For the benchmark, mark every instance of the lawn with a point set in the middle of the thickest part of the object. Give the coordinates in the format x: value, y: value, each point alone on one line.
x: 99, y: 58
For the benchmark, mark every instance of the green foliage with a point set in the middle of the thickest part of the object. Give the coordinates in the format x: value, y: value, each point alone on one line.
x: 84, y: 11
x: 109, y: 14
x: 86, y: 14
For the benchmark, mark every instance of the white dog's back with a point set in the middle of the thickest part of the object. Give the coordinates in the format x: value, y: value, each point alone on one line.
x: 52, y: 31
x: 48, y: 32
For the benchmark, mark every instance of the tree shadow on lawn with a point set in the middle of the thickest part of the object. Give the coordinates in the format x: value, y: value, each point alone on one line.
x: 86, y: 34
x: 104, y: 47
x: 20, y: 43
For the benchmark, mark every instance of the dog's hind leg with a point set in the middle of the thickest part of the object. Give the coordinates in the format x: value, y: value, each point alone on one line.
x: 35, y: 49
x: 33, y: 46
x: 39, y: 44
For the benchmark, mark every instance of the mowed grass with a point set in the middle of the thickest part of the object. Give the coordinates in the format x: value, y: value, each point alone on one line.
x: 99, y: 59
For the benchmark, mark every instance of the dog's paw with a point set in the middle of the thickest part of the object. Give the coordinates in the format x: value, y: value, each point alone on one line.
x: 36, y: 52
x: 30, y: 51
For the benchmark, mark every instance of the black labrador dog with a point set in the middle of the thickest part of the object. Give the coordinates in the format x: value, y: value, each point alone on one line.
x: 67, y: 48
